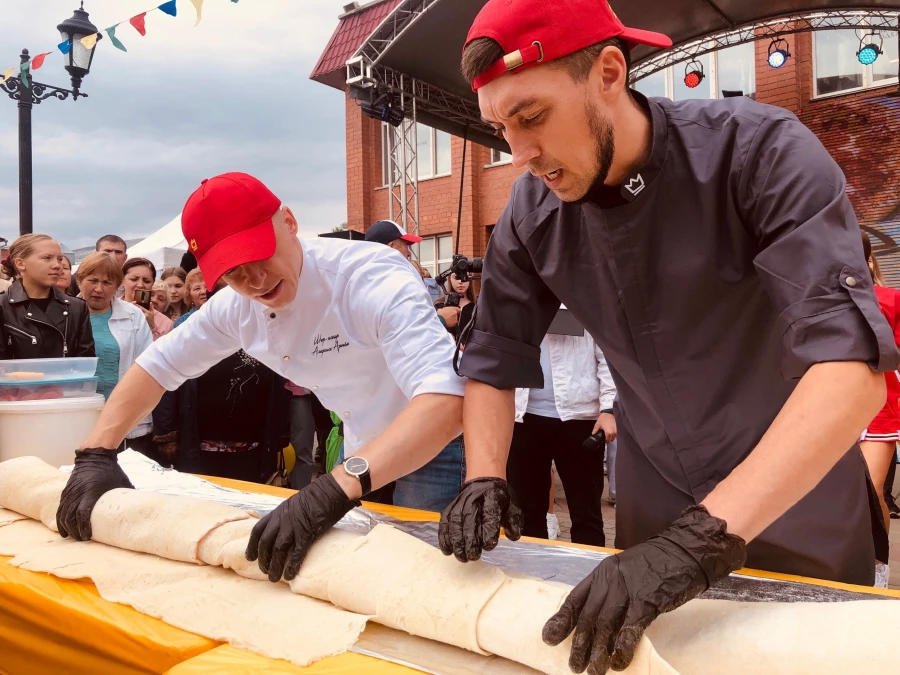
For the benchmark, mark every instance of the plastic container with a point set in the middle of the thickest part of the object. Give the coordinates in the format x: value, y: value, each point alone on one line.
x: 31, y: 370
x: 51, y: 430
x: 44, y: 390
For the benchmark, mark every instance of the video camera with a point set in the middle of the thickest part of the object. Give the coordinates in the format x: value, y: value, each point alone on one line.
x: 462, y: 267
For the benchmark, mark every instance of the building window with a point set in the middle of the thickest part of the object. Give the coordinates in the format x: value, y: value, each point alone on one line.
x: 432, y: 152
x: 731, y: 69
x: 837, y: 69
x: 435, y: 254
x: 500, y: 157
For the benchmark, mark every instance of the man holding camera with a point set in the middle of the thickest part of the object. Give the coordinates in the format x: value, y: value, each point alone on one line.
x: 350, y: 321
x: 710, y: 250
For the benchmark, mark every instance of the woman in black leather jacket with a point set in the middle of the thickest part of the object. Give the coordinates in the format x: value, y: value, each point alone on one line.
x: 37, y: 320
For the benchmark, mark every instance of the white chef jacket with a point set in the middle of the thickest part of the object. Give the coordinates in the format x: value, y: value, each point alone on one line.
x: 362, y: 335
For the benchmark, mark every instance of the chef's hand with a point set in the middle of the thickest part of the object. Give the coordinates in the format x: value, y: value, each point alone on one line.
x: 607, y: 424
x: 282, y: 539
x: 471, y: 524
x: 96, y: 472
x: 610, y: 609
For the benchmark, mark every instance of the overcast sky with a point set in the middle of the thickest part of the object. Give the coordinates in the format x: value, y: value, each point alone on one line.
x: 183, y: 104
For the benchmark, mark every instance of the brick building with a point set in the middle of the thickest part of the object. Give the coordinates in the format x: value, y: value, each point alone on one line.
x: 850, y: 107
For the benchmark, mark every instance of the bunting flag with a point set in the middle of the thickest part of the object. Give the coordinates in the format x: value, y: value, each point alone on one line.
x: 138, y: 23
x: 90, y: 41
x: 199, y: 5
x: 38, y: 61
x: 117, y: 43
x: 168, y: 8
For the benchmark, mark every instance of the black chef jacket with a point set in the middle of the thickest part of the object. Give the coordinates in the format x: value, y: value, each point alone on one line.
x: 712, y: 279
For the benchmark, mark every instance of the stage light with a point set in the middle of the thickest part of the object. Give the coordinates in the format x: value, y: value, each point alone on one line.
x: 778, y: 53
x: 869, y: 51
x: 693, y: 74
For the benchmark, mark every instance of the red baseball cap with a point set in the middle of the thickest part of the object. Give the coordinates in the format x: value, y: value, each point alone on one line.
x: 533, y: 32
x: 227, y: 222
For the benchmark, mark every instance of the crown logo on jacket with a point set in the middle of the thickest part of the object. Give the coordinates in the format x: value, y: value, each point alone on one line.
x: 635, y: 185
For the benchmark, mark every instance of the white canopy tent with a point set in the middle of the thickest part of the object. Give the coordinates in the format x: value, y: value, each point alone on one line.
x: 164, y: 247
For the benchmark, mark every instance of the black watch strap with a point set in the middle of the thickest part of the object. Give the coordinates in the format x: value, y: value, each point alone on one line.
x: 365, y: 482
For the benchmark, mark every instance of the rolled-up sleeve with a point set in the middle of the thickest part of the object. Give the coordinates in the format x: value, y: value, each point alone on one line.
x: 195, y: 346
x: 809, y: 255
x: 391, y: 307
x: 515, y: 308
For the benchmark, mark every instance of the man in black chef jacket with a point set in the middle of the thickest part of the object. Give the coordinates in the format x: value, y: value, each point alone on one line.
x: 710, y: 250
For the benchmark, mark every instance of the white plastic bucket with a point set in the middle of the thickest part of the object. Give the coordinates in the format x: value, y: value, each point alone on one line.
x: 52, y: 430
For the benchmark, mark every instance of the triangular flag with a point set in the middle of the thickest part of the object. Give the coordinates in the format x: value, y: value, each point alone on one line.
x: 65, y: 46
x: 38, y: 61
x: 199, y: 5
x: 138, y: 23
x: 7, y: 74
x: 117, y: 43
x: 90, y: 41
x: 168, y: 8
x: 23, y: 74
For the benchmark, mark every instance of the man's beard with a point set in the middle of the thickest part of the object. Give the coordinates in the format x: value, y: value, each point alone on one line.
x: 604, y: 139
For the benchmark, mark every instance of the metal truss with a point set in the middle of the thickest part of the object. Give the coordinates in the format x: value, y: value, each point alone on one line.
x: 403, y: 171
x: 875, y: 20
x: 391, y: 28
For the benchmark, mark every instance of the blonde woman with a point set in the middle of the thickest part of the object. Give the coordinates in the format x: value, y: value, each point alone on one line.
x: 37, y: 320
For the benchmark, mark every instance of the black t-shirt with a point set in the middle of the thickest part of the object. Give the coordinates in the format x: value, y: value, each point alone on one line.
x: 233, y: 400
x: 42, y: 303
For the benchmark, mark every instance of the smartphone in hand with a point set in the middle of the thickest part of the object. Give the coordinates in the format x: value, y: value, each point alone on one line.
x: 143, y: 298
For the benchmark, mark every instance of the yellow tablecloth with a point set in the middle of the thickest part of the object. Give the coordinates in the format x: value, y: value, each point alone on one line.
x: 50, y: 625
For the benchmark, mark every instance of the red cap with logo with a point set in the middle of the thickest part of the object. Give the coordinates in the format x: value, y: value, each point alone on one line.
x: 533, y: 32
x: 227, y: 222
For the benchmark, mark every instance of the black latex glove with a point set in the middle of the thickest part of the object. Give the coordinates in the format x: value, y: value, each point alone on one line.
x: 472, y: 522
x: 96, y: 472
x: 626, y: 592
x: 282, y: 538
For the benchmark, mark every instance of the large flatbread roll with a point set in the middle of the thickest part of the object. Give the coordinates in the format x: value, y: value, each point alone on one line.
x: 711, y: 637
x: 411, y: 586
x: 31, y: 487
x: 511, y: 623
x: 7, y: 517
x: 164, y: 525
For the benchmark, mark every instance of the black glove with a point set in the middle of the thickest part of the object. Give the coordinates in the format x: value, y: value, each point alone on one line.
x: 626, y: 592
x: 285, y: 535
x: 471, y: 524
x: 96, y: 472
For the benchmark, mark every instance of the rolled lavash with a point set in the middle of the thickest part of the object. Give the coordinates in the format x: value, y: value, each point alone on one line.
x: 165, y: 525
x: 31, y: 487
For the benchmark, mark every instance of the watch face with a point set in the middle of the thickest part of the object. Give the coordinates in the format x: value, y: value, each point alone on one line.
x: 356, y: 466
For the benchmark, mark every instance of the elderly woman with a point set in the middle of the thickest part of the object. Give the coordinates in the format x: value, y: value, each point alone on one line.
x: 121, y: 333
x: 195, y: 295
x: 140, y: 275
x: 37, y: 320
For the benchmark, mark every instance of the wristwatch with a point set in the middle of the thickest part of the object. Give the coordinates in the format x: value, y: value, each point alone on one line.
x: 358, y: 467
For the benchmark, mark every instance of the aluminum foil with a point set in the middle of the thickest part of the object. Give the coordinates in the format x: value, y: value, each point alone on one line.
x: 551, y: 563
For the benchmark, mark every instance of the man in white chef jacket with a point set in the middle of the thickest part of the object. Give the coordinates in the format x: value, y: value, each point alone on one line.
x: 350, y: 321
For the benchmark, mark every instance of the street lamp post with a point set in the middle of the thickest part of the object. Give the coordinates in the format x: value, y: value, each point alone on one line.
x: 29, y: 93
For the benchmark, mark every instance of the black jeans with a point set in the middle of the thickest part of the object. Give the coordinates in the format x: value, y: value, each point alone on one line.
x: 537, y: 442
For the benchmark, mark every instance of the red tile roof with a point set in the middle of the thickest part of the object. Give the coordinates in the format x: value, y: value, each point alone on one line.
x: 352, y: 31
